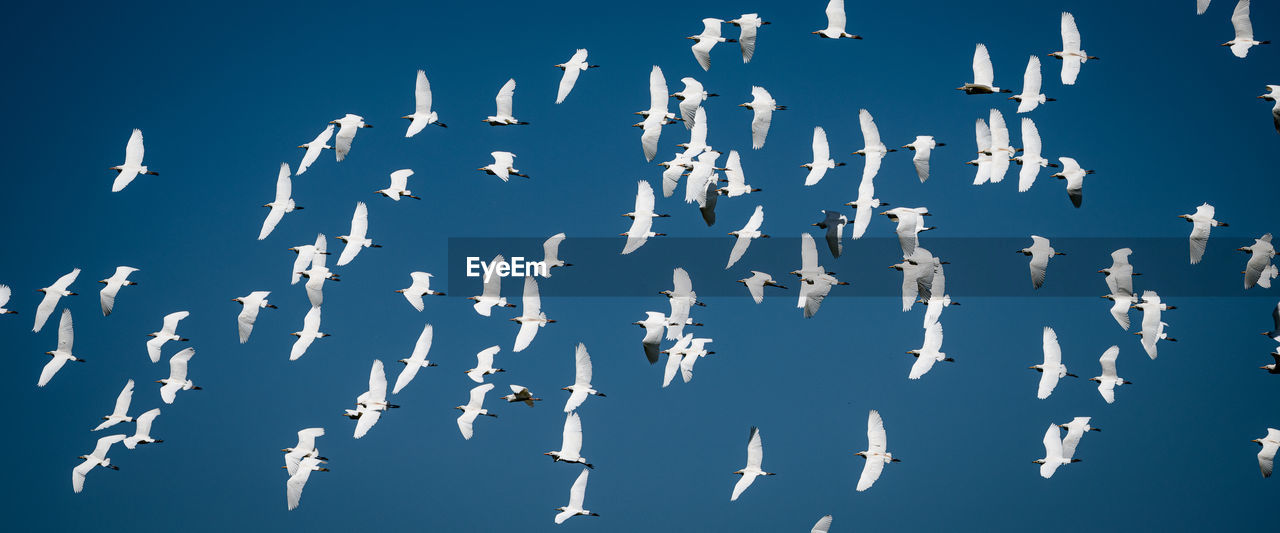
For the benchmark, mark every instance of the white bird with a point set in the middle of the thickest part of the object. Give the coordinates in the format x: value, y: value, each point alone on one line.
x: 1119, y: 278
x: 1274, y: 334
x: 1052, y: 369
x: 983, y: 161
x: 748, y: 25
x: 133, y: 166
x: 744, y: 236
x: 815, y: 281
x: 682, y: 298
x: 417, y: 359
x: 1001, y: 151
x: 675, y: 355
x: 491, y: 294
x: 576, y: 65
x: 653, y: 324
x: 60, y: 356
x: 306, y: 447
x: 356, y: 239
x: 922, y: 146
x: 5, y: 291
x: 641, y: 219
x: 1074, y: 175
x: 652, y: 132
x: 316, y: 276
x: 551, y: 253
x: 177, y: 379
x: 306, y: 253
x: 348, y: 125
x: 422, y: 113
x: 371, y: 404
x: 1201, y: 222
x: 812, y: 294
x: 1244, y: 31
x: 876, y: 454
x: 121, y: 411
x: 822, y: 525
x: 762, y: 106
x: 399, y: 180
x: 1076, y: 429
x: 581, y: 387
x: 937, y: 299
x: 706, y: 40
x: 577, y: 493
x: 96, y: 458
x: 249, y: 312
x: 757, y: 282
x: 1071, y: 55
x: 834, y: 223
x: 503, y: 116
x: 532, y: 317
x: 735, y: 177
x: 910, y: 223
x: 317, y: 145
x: 835, y: 22
x: 697, y: 348
x: 1040, y: 252
x: 310, y: 332
x: 917, y: 276
x: 484, y: 364
x: 142, y: 435
x: 697, y: 135
x: 108, y: 295
x: 1152, y: 326
x: 983, y: 74
x: 520, y: 393
x: 1053, y: 457
x: 1273, y: 368
x: 700, y: 177
x: 1109, y: 380
x: 168, y: 332
x: 656, y: 115
x: 821, y: 158
x: 1201, y: 6
x: 1030, y: 98
x: 52, y: 294
x: 293, y: 488
x: 420, y: 286
x: 674, y: 170
x: 473, y: 409
x: 570, y: 443
x: 864, y: 207
x: 755, y: 455
x: 873, y: 148
x: 1273, y: 94
x: 1031, y: 159
x: 282, y: 204
x: 691, y: 98
x: 1266, y: 457
x: 502, y: 166
x: 929, y: 353
x: 1260, y: 255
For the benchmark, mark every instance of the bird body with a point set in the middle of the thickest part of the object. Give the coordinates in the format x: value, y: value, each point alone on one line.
x: 1266, y: 456
x: 744, y: 236
x: 98, y: 457
x: 310, y: 332
x: 571, y: 443
x: 502, y: 166
x: 1076, y: 429
x: 504, y: 116
x: 748, y: 26
x: 531, y: 317
x: 1030, y: 97
x: 399, y: 180
x: 420, y: 286
x: 305, y: 448
x: 422, y: 113
x: 1201, y: 222
x: 762, y: 106
x: 520, y: 393
x: 1257, y: 271
x: 168, y: 332
x: 293, y: 487
x: 641, y: 219
x: 929, y: 353
x: 1074, y: 175
x: 491, y: 295
x: 484, y: 364
x: 1109, y: 380
x: 757, y: 282
x: 577, y: 493
x: 142, y: 435
x: 836, y: 21
x: 1244, y: 40
x: 1119, y: 278
x: 1273, y: 95
x: 371, y: 404
x: 575, y: 66
x: 417, y: 359
x: 706, y: 40
x: 873, y: 148
x: 922, y: 146
x: 1053, y: 457
x: 1031, y: 159
x: 821, y: 158
x: 983, y: 74
x: 551, y: 253
x: 1040, y: 252
x: 1071, y: 55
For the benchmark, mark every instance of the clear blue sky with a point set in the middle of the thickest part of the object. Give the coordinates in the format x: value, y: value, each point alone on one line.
x: 225, y: 93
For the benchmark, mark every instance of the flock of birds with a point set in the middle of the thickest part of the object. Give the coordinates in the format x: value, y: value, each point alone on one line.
x: 923, y: 273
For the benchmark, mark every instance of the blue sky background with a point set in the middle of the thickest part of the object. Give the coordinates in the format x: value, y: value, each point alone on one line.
x: 223, y: 94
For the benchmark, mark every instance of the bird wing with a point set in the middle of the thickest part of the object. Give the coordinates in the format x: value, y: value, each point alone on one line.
x: 644, y: 200
x: 1031, y: 78
x: 808, y: 253
x: 171, y: 321
x: 582, y: 366
x: 123, y: 400
x: 307, y: 438
x: 293, y: 488
x: 921, y: 161
x: 682, y: 284
x: 877, y: 441
x: 477, y: 395
x: 650, y: 135
x: 567, y: 80
x: 314, y: 148
x: 1201, y: 6
x: 1039, y: 262
x: 400, y: 179
x: 638, y: 233
x: 821, y: 152
x: 870, y: 133
x: 822, y: 525
x: 739, y: 248
x: 761, y: 118
x: 870, y: 473
x: 406, y: 375
x: 1052, y: 352
x: 1108, y: 361
x: 983, y: 134
x: 1120, y: 310
x: 377, y: 382
x: 812, y: 295
x: 284, y: 186
x: 178, y: 364
x: 1266, y: 456
x: 134, y: 150
x: 423, y: 345
x: 755, y: 287
x: 143, y: 430
x: 66, y: 332
x: 531, y: 301
x: 78, y: 473
x: 1048, y: 380
x: 578, y: 493
x: 835, y: 15
x: 698, y: 134
x: 741, y: 485
x: 1070, y: 36
x: 675, y: 357
x: 999, y: 132
x: 248, y: 315
x: 658, y: 95
x: 52, y: 367
x: 747, y: 41
x: 153, y: 349
x: 504, y: 98
x: 104, y: 445
x: 1199, y: 239
x: 1070, y: 69
x: 755, y: 449
x: 5, y: 291
x: 702, y: 52
x: 551, y: 248
x: 484, y: 358
x: 983, y: 74
x: 1239, y: 19
x: 571, y: 444
x: 359, y: 222
x: 493, y: 286
x: 422, y: 94
x: 932, y: 338
x: 342, y: 142
x: 1069, y: 443
x: 922, y: 366
x: 273, y: 218
x: 300, y: 345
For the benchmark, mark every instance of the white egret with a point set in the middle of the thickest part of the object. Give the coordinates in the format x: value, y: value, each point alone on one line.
x: 484, y: 364
x: 1076, y: 429
x: 310, y: 332
x: 983, y: 161
x: 929, y: 353
x: 735, y: 177
x: 249, y: 312
x: 1052, y: 369
x: 815, y: 281
x: 1244, y: 31
x: 656, y: 115
x: 422, y: 113
x: 674, y: 171
x: 491, y: 295
x: 1053, y: 457
x: 142, y: 435
x: 293, y: 488
x: 306, y: 447
x: 108, y: 295
x: 1152, y: 326
x: 653, y: 324
x: 917, y: 276
x: 697, y: 135
x: 576, y: 65
x: 910, y: 223
x: 502, y: 166
x: 873, y: 148
x: 60, y: 356
x: 938, y: 298
x: 833, y: 222
x: 306, y: 253
x: 697, y: 348
x: 1031, y: 159
x: 675, y: 355
x: 5, y: 291
x: 1119, y: 278
x: 503, y: 116
x: 98, y: 457
x: 399, y: 180
x: 864, y: 207
x: 1274, y: 334
x: 1273, y: 368
x: 132, y: 166
x: 532, y: 317
x: 1040, y: 252
x: 1001, y: 151
x: 744, y: 236
x: 551, y: 253
x: 876, y: 454
x: 318, y: 273
x: 1273, y: 94
x: 1074, y: 175
x: 52, y: 294
x: 1201, y: 222
x: 177, y: 379
x: 1109, y: 380
x: 1266, y: 457
x: 570, y: 443
x: 983, y: 74
x: 755, y: 455
x: 473, y: 409
x: 757, y: 282
x: 420, y: 286
x: 748, y: 25
x: 652, y: 132
x: 168, y: 332
x: 348, y: 125
x: 922, y: 146
x: 1071, y: 55
x: 1030, y: 97
x: 706, y: 40
x: 641, y: 219
x: 520, y: 393
x: 282, y: 204
x: 121, y: 411
x: 577, y: 493
x: 317, y: 145
x: 762, y: 106
x: 702, y: 174
x: 821, y: 158
x: 835, y: 22
x: 371, y: 404
x: 682, y: 298
x: 417, y: 360
x: 356, y: 239
x: 1260, y: 252
x: 581, y: 387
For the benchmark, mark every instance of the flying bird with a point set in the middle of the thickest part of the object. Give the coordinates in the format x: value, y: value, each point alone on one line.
x: 422, y: 113
x: 306, y: 447
x: 52, y: 294
x: 177, y: 379
x: 653, y: 324
x: 697, y: 348
x: 293, y: 488
x: 1031, y: 159
x: 121, y: 411
x: 133, y: 166
x: 910, y: 223
x: 864, y: 207
x: 641, y: 219
x: 873, y: 148
x: 1000, y: 150
x: 5, y: 291
x: 1274, y: 334
x: 821, y: 158
x: 1119, y: 278
x: 318, y: 273
x: 1244, y: 31
x: 1152, y: 325
x: 675, y: 355
x: 108, y: 295
x: 656, y: 116
x: 491, y: 294
x: 306, y: 253
x: 983, y: 161
x: 571, y: 442
x: 983, y: 74
x: 1273, y: 368
x: 310, y: 332
x: 581, y: 387
x: 502, y: 166
x: 348, y: 125
x: 1053, y: 457
x: 929, y: 353
x: 876, y: 456
x: 1273, y: 94
x: 1071, y: 55
x: 815, y: 281
x: 314, y: 148
x: 757, y: 282
x: 371, y: 404
x: 282, y: 204
x: 917, y: 276
x: 1260, y: 255
x: 249, y: 312
x: 577, y: 493
x: 473, y: 409
x: 682, y: 298
x: 420, y: 286
x: 1076, y: 429
x: 551, y: 254
x: 1040, y: 252
x: 521, y: 393
x: 1266, y: 457
x: 707, y: 39
x: 399, y: 180
x: 576, y: 65
x: 1109, y: 380
x: 1052, y: 369
x: 691, y: 99
x: 762, y: 106
x: 484, y: 364
x: 417, y: 360
x: 142, y: 433
x: 755, y: 455
x: 1030, y: 98
x: 168, y: 332
x: 503, y: 116
x: 1074, y: 175
x: 1201, y: 222
x: 744, y: 236
x: 60, y: 356
x: 835, y: 22
x: 922, y: 146
x: 356, y: 239
x: 532, y: 317
x: 833, y: 222
x: 938, y: 299
x: 748, y: 25
x: 98, y: 457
